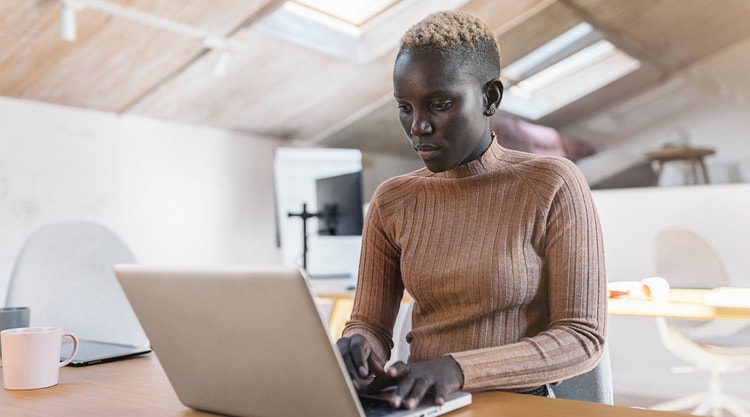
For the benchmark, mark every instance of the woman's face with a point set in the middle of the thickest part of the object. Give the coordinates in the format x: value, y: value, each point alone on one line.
x: 441, y: 107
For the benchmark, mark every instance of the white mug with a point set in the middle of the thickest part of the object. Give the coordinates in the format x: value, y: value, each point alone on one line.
x: 655, y: 288
x: 31, y: 356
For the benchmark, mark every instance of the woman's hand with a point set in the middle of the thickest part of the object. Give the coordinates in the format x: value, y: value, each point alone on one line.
x: 443, y: 376
x: 362, y: 363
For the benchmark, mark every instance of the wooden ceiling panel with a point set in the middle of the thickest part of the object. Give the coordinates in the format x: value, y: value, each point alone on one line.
x: 113, y: 60
x: 503, y: 14
x: 669, y: 34
x: 541, y: 24
x: 274, y: 89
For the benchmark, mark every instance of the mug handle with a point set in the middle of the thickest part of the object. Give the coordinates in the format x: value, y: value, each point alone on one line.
x: 75, y: 349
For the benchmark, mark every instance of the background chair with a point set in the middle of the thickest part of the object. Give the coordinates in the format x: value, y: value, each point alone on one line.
x: 717, y: 347
x: 592, y: 386
x: 400, y: 351
x: 64, y: 274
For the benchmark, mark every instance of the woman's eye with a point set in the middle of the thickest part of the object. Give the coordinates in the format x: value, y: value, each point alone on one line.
x: 404, y: 108
x: 441, y: 106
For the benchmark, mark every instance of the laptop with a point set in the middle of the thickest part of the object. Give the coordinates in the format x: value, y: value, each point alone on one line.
x: 248, y: 341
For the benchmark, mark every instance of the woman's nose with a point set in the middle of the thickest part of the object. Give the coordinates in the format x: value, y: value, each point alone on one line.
x: 420, y: 126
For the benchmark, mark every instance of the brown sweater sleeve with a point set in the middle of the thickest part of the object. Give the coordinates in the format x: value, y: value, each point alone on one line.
x: 379, y: 287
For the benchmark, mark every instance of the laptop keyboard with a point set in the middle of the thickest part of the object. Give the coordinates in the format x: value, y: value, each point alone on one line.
x: 376, y: 407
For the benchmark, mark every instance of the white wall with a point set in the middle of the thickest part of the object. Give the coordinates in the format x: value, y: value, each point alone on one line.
x: 630, y: 219
x: 175, y: 193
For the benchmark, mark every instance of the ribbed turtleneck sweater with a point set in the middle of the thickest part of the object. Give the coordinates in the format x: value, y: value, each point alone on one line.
x: 503, y: 258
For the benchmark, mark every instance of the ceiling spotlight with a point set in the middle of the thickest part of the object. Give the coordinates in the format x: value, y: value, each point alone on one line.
x: 68, y: 12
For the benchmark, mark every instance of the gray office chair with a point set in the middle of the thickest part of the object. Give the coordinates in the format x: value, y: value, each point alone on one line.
x: 592, y: 386
x: 400, y: 351
x: 64, y: 274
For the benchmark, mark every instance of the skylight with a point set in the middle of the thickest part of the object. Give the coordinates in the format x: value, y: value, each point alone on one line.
x: 352, y: 30
x: 353, y: 12
x: 574, y: 64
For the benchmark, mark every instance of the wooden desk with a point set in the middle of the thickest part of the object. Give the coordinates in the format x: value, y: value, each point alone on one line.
x: 138, y: 386
x: 682, y: 303
x: 131, y: 387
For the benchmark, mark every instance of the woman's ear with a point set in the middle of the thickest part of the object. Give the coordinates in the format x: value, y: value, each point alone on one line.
x: 493, y: 93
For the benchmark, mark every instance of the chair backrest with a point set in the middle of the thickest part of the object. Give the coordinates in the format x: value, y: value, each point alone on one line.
x: 592, y: 386
x: 400, y: 351
x: 684, y: 259
x: 64, y: 274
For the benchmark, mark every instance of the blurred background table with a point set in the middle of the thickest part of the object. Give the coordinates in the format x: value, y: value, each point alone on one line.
x: 682, y: 303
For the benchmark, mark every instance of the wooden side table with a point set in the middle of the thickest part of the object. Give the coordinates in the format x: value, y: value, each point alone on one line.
x: 694, y: 156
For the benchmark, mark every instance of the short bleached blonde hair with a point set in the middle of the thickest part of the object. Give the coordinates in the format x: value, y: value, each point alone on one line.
x: 458, y: 35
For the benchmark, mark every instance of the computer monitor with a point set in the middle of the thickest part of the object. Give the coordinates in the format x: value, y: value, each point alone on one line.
x: 339, y: 205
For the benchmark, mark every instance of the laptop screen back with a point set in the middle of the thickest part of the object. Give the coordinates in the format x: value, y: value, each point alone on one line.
x: 240, y: 340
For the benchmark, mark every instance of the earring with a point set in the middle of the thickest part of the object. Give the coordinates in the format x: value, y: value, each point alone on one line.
x: 489, y: 111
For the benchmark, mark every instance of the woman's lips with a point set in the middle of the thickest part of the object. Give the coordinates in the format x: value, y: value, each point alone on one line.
x: 426, y: 152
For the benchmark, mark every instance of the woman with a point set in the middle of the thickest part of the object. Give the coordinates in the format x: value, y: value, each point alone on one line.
x: 500, y: 250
